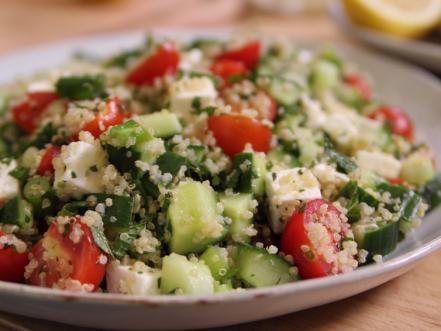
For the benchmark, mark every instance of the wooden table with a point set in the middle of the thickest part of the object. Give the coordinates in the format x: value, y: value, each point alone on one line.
x: 411, y: 302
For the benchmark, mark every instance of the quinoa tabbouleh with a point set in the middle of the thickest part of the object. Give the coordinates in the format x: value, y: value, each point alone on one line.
x: 203, y: 167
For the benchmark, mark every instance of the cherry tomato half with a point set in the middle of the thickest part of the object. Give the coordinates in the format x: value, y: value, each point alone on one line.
x: 12, y: 263
x: 226, y: 69
x: 45, y: 167
x: 27, y: 113
x: 248, y: 54
x: 233, y: 132
x: 258, y: 100
x: 360, y: 85
x: 398, y: 120
x: 164, y: 61
x: 67, y: 251
x: 297, y: 243
x: 113, y: 115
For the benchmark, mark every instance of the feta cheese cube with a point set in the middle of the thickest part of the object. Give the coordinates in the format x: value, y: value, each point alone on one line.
x: 136, y: 279
x: 184, y: 92
x: 381, y: 163
x: 79, y: 169
x: 286, y: 189
x: 9, y: 186
x: 190, y: 59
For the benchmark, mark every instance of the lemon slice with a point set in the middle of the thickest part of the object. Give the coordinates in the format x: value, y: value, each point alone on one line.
x: 403, y: 18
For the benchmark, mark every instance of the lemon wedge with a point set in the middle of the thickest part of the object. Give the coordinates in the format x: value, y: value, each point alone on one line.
x: 403, y: 18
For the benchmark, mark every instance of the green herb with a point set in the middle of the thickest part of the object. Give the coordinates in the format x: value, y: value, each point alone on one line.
x: 198, y: 109
x: 81, y: 87
x: 93, y: 168
x: 42, y: 137
x: 344, y: 164
x: 21, y: 173
x: 122, y: 59
x: 73, y: 208
x: 101, y: 240
x: 120, y: 247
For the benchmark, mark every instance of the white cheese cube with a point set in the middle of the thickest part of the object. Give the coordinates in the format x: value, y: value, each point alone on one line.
x: 190, y: 59
x: 184, y: 92
x: 381, y: 163
x: 79, y: 169
x: 286, y: 189
x: 136, y: 279
x: 9, y: 186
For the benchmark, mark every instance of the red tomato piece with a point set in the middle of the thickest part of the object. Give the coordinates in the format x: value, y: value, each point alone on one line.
x: 398, y: 120
x: 45, y: 167
x: 297, y: 243
x: 233, y: 132
x: 164, y: 61
x: 67, y: 252
x: 396, y: 181
x: 258, y: 100
x: 360, y: 85
x: 228, y: 68
x: 27, y: 113
x: 113, y: 115
x: 248, y: 54
x: 12, y: 263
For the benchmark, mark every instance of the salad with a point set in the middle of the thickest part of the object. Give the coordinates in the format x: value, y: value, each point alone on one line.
x: 203, y: 167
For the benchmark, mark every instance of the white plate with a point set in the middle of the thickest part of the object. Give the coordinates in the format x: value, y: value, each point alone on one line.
x: 399, y: 84
x: 425, y: 53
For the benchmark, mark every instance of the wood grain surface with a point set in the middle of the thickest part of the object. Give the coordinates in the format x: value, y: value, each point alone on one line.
x: 411, y: 302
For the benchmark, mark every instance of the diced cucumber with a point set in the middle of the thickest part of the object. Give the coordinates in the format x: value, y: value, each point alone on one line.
x: 258, y: 268
x: 216, y: 258
x: 17, y: 211
x: 194, y: 219
x: 324, y: 76
x: 249, y: 173
x: 308, y: 147
x: 163, y: 124
x: 237, y: 207
x: 381, y: 238
x: 129, y: 134
x: 171, y: 162
x: 417, y: 169
x: 409, y: 207
x: 285, y: 92
x: 356, y: 195
x: 223, y: 287
x: 180, y: 275
x: 279, y: 156
x: 431, y: 192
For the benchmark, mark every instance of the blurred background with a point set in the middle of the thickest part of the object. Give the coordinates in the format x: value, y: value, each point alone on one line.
x: 406, y: 28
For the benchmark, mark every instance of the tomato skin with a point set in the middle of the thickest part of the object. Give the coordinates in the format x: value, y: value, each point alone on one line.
x: 113, y: 115
x: 27, y: 113
x: 12, y: 264
x: 233, y: 132
x: 398, y: 120
x: 360, y: 85
x: 225, y: 68
x: 395, y: 181
x: 248, y: 54
x: 75, y: 260
x: 164, y: 61
x: 46, y: 167
x: 295, y: 236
